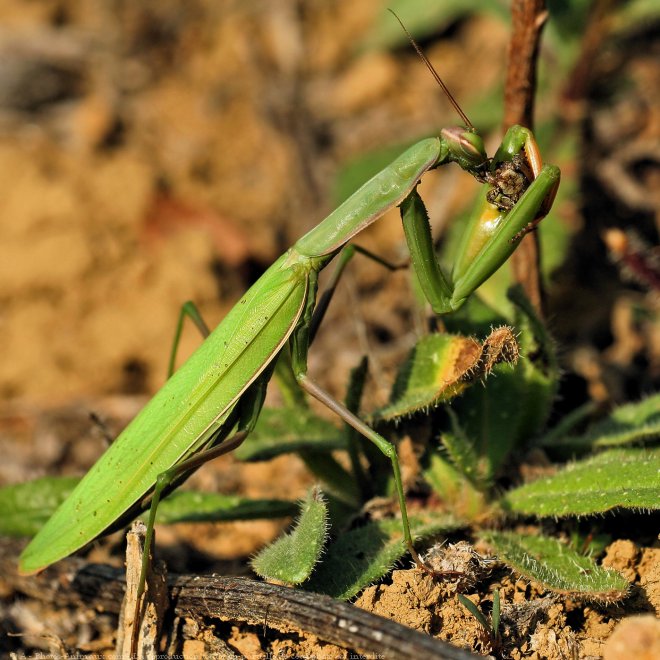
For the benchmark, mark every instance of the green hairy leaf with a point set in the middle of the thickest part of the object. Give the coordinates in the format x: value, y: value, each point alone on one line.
x: 193, y: 506
x: 556, y: 566
x: 435, y: 371
x: 363, y: 555
x: 512, y: 408
x: 286, y: 430
x: 631, y: 423
x: 619, y: 478
x: 441, y: 366
x: 293, y: 556
x: 24, y: 508
x: 461, y: 452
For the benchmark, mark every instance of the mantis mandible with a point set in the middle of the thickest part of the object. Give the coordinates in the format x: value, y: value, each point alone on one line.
x: 213, y: 401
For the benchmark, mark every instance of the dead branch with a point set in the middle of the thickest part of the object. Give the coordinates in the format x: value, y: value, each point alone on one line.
x: 72, y: 583
x: 528, y: 19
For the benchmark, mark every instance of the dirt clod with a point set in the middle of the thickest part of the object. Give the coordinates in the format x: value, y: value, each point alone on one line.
x: 636, y: 637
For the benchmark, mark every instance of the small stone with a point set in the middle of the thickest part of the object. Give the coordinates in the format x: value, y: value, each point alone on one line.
x: 635, y: 637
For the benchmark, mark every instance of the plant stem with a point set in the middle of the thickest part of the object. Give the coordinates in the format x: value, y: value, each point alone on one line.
x: 528, y: 19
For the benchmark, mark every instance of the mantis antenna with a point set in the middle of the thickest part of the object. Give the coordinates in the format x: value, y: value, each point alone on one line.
x: 434, y: 73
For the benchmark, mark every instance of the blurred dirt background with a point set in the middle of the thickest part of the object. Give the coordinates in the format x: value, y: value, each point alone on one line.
x: 161, y: 151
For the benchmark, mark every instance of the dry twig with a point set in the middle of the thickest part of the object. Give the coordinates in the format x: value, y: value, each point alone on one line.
x: 71, y: 582
x: 528, y: 19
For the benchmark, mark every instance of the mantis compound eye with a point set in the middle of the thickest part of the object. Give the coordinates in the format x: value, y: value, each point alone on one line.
x: 466, y: 146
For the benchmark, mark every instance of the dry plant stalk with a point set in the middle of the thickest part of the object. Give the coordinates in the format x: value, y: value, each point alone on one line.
x: 528, y: 19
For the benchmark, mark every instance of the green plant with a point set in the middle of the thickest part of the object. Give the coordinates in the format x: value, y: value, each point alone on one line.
x: 491, y: 627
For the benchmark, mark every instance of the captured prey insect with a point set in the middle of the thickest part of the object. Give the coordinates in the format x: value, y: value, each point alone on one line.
x: 213, y: 401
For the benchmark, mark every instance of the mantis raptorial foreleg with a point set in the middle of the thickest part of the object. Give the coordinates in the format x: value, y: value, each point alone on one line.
x: 491, y: 233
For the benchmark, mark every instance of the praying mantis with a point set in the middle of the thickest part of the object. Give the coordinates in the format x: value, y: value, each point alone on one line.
x: 210, y: 405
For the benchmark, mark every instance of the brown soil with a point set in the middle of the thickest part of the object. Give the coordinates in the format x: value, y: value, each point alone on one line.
x: 535, y: 624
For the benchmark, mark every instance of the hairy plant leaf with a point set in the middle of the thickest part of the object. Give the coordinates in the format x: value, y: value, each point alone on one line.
x: 462, y: 497
x: 441, y: 366
x: 25, y: 508
x: 287, y: 430
x: 193, y: 506
x: 618, y: 478
x: 627, y: 424
x: 490, y: 417
x: 434, y: 371
x: 462, y: 454
x: 556, y: 566
x: 515, y: 404
x: 363, y: 555
x: 292, y: 557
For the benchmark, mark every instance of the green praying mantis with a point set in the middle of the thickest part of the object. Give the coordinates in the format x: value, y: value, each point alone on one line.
x: 209, y: 405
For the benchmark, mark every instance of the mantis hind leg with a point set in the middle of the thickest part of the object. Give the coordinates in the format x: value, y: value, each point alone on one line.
x: 388, y: 449
x: 248, y: 409
x: 164, y: 480
x: 299, y: 346
x: 345, y: 255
